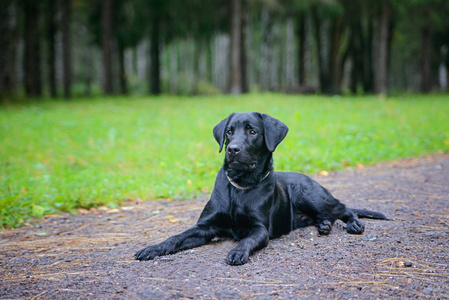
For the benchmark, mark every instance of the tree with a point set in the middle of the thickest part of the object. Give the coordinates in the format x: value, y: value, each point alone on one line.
x: 236, y: 47
x: 328, y: 62
x: 51, y: 56
x: 155, y: 45
x: 426, y: 59
x: 8, y: 37
x: 161, y: 14
x: 301, y: 34
x: 359, y: 19
x: 382, y: 42
x: 106, y: 41
x: 353, y: 44
x: 196, y: 24
x: 430, y: 16
x: 32, y: 51
x: 440, y: 38
x: 299, y: 11
x: 66, y: 47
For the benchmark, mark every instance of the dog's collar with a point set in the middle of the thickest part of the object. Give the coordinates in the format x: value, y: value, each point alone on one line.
x: 241, y: 187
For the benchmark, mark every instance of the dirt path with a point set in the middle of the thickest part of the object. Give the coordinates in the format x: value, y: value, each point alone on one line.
x: 90, y: 256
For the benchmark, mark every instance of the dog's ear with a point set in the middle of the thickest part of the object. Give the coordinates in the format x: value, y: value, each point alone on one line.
x: 220, y: 131
x: 274, y: 131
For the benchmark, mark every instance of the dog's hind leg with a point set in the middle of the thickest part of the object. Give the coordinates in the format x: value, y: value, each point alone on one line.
x: 353, y: 223
x: 339, y: 211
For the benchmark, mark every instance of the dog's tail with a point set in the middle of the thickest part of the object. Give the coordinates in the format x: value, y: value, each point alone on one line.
x: 364, y: 213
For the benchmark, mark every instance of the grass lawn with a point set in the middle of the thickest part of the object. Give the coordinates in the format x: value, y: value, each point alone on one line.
x: 59, y: 156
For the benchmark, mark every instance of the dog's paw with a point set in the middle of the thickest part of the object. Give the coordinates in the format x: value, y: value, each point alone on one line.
x: 324, y: 227
x: 149, y: 253
x: 237, y: 257
x: 355, y: 227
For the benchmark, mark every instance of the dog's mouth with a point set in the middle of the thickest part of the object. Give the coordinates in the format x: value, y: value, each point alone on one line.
x: 238, y: 165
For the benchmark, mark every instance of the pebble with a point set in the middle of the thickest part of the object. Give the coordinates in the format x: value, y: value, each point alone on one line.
x: 433, y: 235
x: 370, y: 237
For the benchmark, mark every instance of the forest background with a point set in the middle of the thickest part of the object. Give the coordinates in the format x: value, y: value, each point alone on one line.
x: 83, y: 48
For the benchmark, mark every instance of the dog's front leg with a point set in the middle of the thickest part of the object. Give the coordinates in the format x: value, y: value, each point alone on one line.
x: 191, y: 238
x: 256, y: 240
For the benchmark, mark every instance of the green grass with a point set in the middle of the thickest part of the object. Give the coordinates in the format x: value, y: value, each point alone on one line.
x: 57, y: 156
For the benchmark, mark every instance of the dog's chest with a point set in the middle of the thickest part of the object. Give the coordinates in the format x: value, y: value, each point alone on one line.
x: 242, y: 215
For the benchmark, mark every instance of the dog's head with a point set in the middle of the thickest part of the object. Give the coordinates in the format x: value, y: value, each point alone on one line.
x: 248, y: 137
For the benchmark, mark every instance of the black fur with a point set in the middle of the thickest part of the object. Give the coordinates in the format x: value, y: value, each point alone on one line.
x: 251, y: 203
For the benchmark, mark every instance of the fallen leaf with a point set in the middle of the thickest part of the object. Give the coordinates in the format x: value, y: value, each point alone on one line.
x: 51, y: 216
x: 113, y: 211
x: 172, y: 219
x: 41, y: 233
x: 127, y: 208
x: 323, y: 173
x: 83, y: 211
x: 103, y: 208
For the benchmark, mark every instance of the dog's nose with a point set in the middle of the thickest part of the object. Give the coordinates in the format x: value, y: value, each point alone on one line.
x: 233, y: 149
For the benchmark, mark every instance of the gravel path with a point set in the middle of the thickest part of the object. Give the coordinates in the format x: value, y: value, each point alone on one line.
x: 90, y: 255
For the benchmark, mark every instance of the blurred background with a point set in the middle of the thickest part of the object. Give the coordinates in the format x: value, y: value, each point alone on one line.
x: 66, y: 48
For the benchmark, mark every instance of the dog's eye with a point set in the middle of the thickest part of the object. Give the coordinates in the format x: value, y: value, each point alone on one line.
x: 252, y: 132
x: 229, y: 132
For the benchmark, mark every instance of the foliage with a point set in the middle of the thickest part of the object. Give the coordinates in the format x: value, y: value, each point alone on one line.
x: 59, y: 156
x: 333, y: 44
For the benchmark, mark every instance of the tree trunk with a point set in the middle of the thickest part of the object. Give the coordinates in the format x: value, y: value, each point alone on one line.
x: 334, y: 55
x: 155, y: 73
x: 197, y: 53
x: 266, y: 50
x: 209, y: 64
x: 302, y: 36
x: 381, y: 65
x: 32, y: 49
x: 368, y: 69
x: 174, y: 70
x: 88, y: 62
x: 243, y: 56
x: 8, y: 25
x: 122, y: 71
x: 66, y: 47
x: 426, y: 44
x: 51, y: 58
x: 235, y: 79
x: 446, y: 63
x: 289, y: 53
x: 106, y: 39
x: 323, y: 73
x: 351, y: 52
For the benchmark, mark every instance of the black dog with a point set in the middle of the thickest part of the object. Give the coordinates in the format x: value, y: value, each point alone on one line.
x: 251, y: 203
